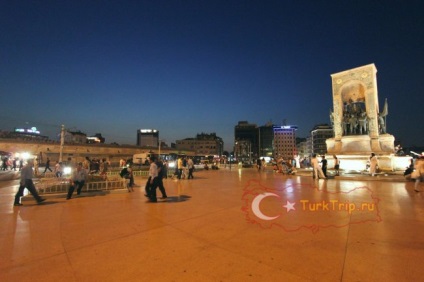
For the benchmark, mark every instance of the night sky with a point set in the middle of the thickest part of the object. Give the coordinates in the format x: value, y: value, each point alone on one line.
x: 186, y: 67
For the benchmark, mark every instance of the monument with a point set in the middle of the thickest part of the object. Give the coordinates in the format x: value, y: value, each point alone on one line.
x: 360, y: 128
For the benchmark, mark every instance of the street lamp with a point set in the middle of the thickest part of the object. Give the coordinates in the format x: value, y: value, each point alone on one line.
x: 160, y: 143
x: 62, y: 141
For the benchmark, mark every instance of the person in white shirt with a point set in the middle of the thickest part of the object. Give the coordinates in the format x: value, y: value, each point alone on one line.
x: 79, y: 175
x: 373, y: 164
x: 318, y: 173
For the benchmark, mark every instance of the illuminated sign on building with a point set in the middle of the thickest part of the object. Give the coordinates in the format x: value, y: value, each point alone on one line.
x: 32, y: 130
x: 287, y: 127
x: 148, y: 130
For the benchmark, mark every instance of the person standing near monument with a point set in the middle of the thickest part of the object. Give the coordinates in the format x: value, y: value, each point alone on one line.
x: 26, y: 182
x: 318, y: 173
x: 336, y: 165
x: 373, y: 164
x: 324, y: 166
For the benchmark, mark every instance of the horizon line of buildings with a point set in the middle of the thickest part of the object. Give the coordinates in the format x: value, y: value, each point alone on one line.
x: 250, y: 141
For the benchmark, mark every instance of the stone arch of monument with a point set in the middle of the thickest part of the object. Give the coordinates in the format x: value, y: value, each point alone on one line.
x: 353, y: 92
x: 355, y: 96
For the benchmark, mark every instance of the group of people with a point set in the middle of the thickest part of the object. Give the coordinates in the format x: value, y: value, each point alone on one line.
x: 14, y: 164
x: 185, y: 168
x: 320, y: 167
x: 356, y: 121
x: 158, y: 171
x: 283, y: 166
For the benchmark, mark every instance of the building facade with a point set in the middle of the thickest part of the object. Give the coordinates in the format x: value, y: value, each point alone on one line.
x: 75, y: 137
x: 246, y: 141
x: 319, y: 134
x: 266, y: 140
x: 285, y: 141
x: 203, y: 144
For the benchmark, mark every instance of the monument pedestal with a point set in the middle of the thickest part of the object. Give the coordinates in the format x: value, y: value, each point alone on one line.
x: 358, y: 163
x: 361, y: 145
x: 354, y: 152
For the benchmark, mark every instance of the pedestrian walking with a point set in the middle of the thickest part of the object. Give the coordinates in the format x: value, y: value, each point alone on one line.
x: 47, y: 166
x: 161, y: 174
x: 14, y: 164
x: 4, y: 164
x: 26, y: 182
x: 152, y: 184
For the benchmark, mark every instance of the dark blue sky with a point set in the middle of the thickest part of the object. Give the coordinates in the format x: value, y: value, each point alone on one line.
x: 186, y: 67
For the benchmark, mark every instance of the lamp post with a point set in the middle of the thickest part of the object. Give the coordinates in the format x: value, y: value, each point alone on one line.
x: 62, y: 141
x: 160, y: 143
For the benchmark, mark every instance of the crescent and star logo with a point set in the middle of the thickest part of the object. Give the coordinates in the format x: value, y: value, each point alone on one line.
x: 256, y: 206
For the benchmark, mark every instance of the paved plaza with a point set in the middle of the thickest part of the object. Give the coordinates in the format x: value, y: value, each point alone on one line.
x: 238, y: 225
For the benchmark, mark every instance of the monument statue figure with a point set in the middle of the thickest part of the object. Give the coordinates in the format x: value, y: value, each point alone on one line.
x: 353, y: 123
x: 362, y: 122
x: 382, y: 118
x: 332, y: 118
x: 345, y: 123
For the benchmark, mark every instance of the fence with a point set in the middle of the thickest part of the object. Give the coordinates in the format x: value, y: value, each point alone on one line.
x: 58, y: 185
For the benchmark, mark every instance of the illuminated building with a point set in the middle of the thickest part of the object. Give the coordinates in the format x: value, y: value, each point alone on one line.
x: 285, y: 141
x: 319, y: 134
x: 148, y: 138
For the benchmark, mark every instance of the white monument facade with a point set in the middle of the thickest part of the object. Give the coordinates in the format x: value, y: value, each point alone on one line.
x: 360, y: 128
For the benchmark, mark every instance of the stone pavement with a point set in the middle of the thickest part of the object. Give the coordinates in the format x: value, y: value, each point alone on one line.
x: 238, y: 225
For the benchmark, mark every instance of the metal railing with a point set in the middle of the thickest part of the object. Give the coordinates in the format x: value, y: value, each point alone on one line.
x: 61, y: 186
